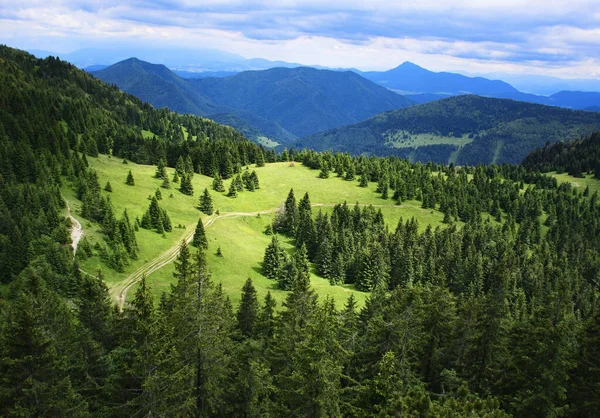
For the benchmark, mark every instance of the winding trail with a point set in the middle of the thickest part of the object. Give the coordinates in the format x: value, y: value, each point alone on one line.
x: 76, y: 229
x: 169, y: 255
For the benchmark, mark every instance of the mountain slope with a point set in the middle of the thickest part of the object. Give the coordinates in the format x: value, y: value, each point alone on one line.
x: 462, y: 129
x: 158, y: 85
x: 302, y: 100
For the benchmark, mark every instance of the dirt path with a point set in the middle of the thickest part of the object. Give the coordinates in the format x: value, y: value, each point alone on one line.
x: 76, y: 229
x: 121, y: 289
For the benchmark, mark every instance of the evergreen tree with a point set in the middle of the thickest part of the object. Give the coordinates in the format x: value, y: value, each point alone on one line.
x: 232, y: 190
x: 274, y: 259
x: 199, y: 239
x: 206, y: 205
x: 247, y: 315
x: 130, y: 181
x: 186, y: 185
x: 217, y: 183
x: 161, y: 170
x: 108, y: 187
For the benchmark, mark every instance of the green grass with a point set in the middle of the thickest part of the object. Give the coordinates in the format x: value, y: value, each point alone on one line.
x: 242, y: 244
x: 404, y: 139
x: 579, y: 183
x: 241, y: 238
x: 266, y: 142
x: 147, y: 134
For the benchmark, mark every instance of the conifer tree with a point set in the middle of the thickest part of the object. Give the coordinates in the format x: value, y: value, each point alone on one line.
x: 217, y: 183
x: 324, y: 173
x: 247, y: 315
x: 161, y: 169
x: 206, y: 204
x: 166, y: 184
x: 364, y: 180
x: 274, y: 259
x: 108, y: 187
x: 158, y: 194
x: 254, y: 179
x: 130, y: 181
x: 232, y: 190
x: 186, y: 185
x: 260, y: 159
x: 199, y: 239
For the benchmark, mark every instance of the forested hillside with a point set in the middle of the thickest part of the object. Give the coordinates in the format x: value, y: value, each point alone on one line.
x: 281, y: 104
x: 493, y: 313
x: 302, y: 100
x: 575, y: 158
x: 463, y: 130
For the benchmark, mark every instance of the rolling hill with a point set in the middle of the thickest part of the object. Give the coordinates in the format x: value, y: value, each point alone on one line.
x: 463, y: 129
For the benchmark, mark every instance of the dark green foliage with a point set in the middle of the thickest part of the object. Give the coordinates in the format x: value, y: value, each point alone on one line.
x: 575, y: 158
x: 206, y: 205
x: 130, y: 180
x: 161, y: 169
x: 247, y: 314
x: 217, y: 184
x: 108, y: 187
x: 158, y: 194
x: 199, y: 239
x: 156, y: 218
x: 274, y: 260
x: 186, y: 185
x: 232, y: 190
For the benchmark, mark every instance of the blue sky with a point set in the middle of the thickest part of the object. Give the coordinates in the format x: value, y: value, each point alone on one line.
x: 559, y: 38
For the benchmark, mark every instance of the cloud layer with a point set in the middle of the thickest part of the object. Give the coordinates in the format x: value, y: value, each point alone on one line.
x: 550, y: 37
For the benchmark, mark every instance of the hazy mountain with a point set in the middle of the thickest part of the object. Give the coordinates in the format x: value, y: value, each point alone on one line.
x: 422, y: 86
x: 282, y: 104
x: 410, y: 78
x: 462, y: 129
x: 302, y: 100
x: 157, y: 85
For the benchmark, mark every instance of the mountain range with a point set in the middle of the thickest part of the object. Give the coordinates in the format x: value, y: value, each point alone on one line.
x: 281, y: 104
x: 464, y: 129
x: 422, y: 86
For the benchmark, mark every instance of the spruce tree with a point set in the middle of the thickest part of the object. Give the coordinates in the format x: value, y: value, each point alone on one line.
x: 206, y: 204
x: 186, y: 185
x: 161, y: 170
x: 247, y: 315
x: 166, y: 184
x: 217, y: 183
x: 274, y: 259
x: 232, y: 190
x: 130, y: 181
x: 260, y: 159
x: 108, y: 187
x: 199, y: 239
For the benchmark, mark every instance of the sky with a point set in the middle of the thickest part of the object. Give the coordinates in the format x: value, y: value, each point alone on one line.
x: 551, y: 37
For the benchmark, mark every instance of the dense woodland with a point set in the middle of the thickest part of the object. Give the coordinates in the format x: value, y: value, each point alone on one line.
x: 575, y: 158
x: 496, y: 314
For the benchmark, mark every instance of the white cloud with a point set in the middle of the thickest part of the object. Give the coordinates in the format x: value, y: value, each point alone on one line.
x: 550, y: 37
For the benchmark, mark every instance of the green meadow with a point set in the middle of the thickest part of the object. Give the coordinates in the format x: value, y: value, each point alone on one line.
x: 239, y: 234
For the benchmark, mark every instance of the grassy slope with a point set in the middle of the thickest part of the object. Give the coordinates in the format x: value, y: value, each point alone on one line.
x: 579, y: 183
x: 241, y: 238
